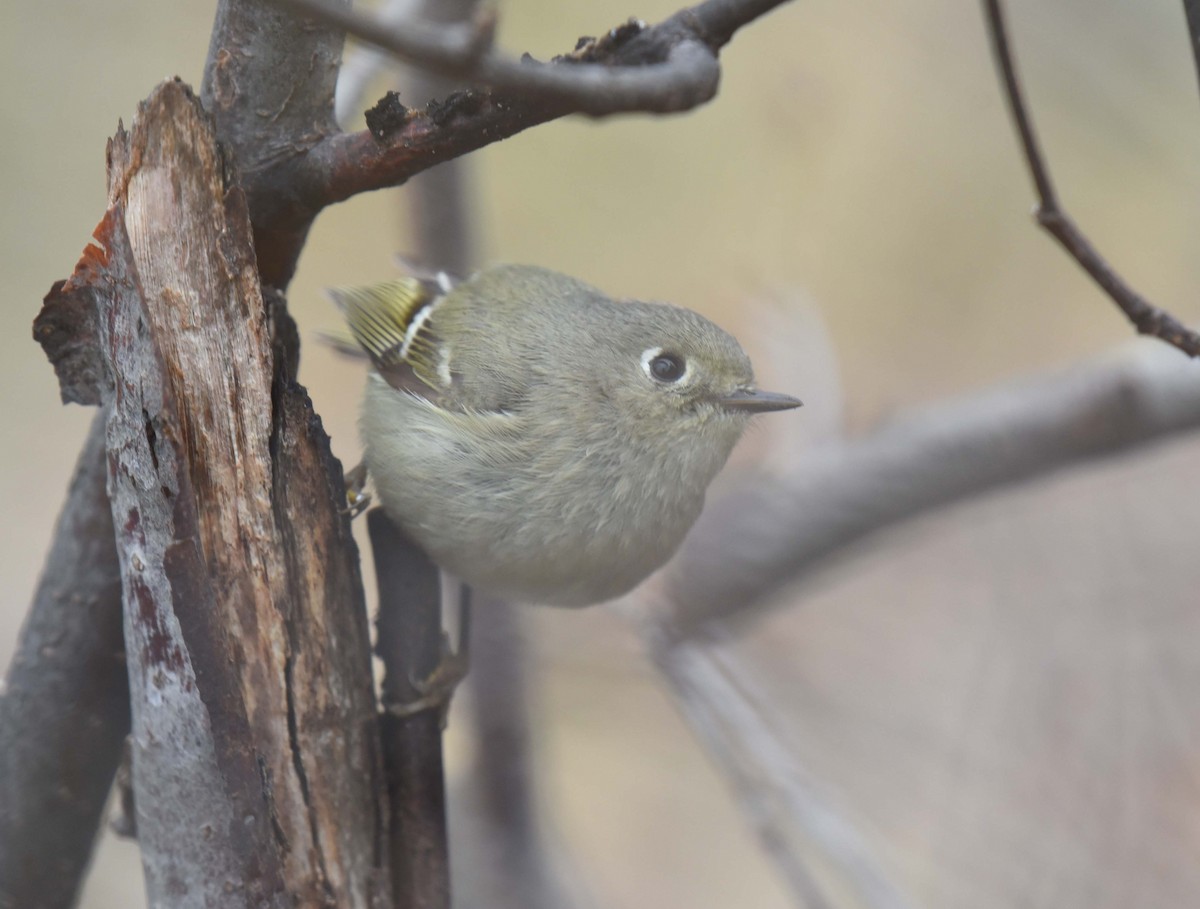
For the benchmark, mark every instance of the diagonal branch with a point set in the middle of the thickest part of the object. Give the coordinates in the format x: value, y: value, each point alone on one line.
x: 763, y: 535
x: 812, y: 844
x: 1148, y: 318
x: 670, y: 66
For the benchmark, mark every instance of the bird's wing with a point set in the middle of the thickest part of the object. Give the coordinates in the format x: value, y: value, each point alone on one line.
x: 390, y: 322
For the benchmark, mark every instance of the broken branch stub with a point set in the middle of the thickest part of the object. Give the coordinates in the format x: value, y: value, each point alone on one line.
x: 257, y: 763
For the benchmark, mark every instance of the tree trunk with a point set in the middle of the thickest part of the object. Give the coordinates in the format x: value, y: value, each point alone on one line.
x: 256, y: 757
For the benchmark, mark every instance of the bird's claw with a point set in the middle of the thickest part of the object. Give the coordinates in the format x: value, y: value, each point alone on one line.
x: 436, y: 690
x: 357, y: 497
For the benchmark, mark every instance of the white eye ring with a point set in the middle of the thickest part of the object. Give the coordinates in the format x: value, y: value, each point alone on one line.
x: 656, y: 355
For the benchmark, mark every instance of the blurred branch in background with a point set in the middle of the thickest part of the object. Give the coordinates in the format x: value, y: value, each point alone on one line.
x: 1149, y: 319
x: 444, y: 220
x: 818, y: 852
x: 64, y: 704
x: 763, y: 534
x: 507, y: 858
x: 362, y: 65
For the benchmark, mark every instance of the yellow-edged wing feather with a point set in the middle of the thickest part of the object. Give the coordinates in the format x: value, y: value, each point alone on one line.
x: 390, y: 322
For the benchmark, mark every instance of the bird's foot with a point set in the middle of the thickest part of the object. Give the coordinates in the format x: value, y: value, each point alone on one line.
x: 357, y: 497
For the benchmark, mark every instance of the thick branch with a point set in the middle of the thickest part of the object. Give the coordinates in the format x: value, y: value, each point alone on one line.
x: 64, y: 704
x: 764, y: 535
x: 269, y: 83
x: 256, y: 757
x: 667, y: 67
x: 270, y: 79
x: 1149, y: 319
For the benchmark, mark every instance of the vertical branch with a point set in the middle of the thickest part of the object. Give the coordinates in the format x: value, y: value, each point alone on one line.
x: 64, y: 704
x: 511, y: 866
x: 256, y: 761
x: 439, y: 199
x: 269, y: 83
x: 410, y: 646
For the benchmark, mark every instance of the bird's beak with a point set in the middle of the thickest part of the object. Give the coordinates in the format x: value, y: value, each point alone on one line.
x: 754, y: 401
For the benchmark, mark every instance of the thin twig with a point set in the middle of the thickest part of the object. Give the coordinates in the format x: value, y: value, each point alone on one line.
x: 1149, y: 319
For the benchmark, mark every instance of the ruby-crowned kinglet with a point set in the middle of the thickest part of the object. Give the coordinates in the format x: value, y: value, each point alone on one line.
x: 539, y: 440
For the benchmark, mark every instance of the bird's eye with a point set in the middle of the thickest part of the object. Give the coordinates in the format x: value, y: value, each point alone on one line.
x: 664, y: 367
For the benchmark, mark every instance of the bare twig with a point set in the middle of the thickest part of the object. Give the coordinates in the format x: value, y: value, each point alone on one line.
x: 64, y: 704
x: 503, y: 857
x: 814, y: 847
x: 764, y: 534
x: 1149, y: 319
x: 410, y: 647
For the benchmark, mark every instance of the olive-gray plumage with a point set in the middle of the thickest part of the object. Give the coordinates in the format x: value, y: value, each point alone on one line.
x: 541, y: 441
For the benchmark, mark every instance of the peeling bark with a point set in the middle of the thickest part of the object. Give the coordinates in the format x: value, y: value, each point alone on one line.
x: 256, y: 760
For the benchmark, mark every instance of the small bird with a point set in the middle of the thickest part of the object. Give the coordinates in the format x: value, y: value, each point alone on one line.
x: 539, y: 440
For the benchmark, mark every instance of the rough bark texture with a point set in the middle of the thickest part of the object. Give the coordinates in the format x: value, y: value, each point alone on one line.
x: 256, y: 756
x: 269, y: 82
x: 64, y: 706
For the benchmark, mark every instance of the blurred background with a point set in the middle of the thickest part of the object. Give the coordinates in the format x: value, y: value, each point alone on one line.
x: 1001, y: 695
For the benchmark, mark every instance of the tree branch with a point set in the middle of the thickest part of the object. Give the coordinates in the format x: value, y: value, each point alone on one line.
x: 667, y: 67
x: 269, y: 83
x: 410, y: 646
x: 64, y: 704
x: 670, y: 67
x: 765, y: 534
x: 1149, y: 319
x: 256, y: 757
x: 813, y: 846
